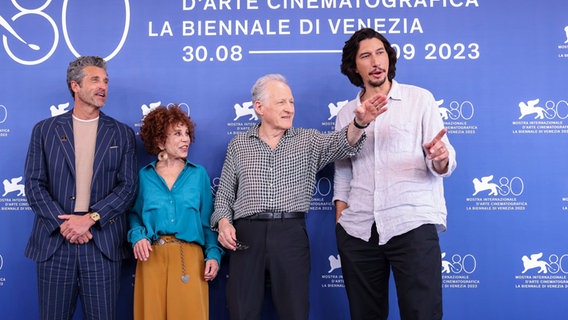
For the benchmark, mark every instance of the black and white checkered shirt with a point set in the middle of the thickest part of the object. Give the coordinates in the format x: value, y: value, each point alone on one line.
x: 256, y: 178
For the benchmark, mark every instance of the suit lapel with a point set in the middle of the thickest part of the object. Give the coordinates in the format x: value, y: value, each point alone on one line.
x: 64, y: 135
x: 105, y: 138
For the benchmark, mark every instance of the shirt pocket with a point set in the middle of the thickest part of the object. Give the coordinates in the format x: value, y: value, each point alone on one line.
x: 112, y: 158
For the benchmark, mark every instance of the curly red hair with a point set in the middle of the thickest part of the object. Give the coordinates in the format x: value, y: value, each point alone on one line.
x: 154, y: 129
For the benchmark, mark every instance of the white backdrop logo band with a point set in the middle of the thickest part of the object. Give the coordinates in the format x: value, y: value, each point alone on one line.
x: 3, y: 117
x: 145, y: 108
x: 211, y: 44
x: 245, y: 118
x: 458, y: 264
x: 14, y: 196
x: 533, y: 262
x: 456, y: 116
x: 333, y: 278
x: 334, y: 263
x: 457, y: 271
x: 245, y: 109
x: 334, y: 108
x: 536, y: 117
x: 13, y: 185
x: 59, y: 110
x: 506, y: 187
x: 322, y: 196
x: 456, y: 110
x: 40, y: 49
x: 484, y: 184
x: 497, y: 195
x: 530, y: 107
x: 541, y: 272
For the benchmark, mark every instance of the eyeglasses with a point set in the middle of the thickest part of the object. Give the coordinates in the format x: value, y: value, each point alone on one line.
x: 241, y: 246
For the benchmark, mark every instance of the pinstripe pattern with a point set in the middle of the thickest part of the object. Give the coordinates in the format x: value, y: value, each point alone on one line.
x: 50, y: 189
x: 58, y: 289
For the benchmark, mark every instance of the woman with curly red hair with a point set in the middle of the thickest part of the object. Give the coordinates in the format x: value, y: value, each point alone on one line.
x: 169, y: 224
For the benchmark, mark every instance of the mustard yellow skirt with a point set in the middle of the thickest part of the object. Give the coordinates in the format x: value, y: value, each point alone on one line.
x: 164, y: 288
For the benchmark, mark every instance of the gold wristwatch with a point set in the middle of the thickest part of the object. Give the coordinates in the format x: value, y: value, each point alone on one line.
x: 95, y: 216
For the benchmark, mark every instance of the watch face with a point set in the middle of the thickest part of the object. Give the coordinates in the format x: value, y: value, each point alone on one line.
x: 95, y: 216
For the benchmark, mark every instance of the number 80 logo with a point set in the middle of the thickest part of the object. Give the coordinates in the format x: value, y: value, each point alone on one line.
x: 40, y: 14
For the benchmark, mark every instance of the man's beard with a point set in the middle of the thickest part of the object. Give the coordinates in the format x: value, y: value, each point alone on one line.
x: 377, y: 83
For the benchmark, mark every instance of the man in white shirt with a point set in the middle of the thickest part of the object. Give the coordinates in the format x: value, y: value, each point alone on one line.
x: 389, y: 198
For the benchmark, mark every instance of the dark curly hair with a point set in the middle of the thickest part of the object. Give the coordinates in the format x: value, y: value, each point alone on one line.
x: 154, y: 129
x: 348, y: 58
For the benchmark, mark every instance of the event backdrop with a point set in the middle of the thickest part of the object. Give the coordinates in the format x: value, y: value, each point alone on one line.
x: 497, y: 69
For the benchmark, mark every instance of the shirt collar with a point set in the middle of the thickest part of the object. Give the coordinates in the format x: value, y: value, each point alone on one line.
x: 253, y: 132
x: 153, y: 164
x: 394, y: 93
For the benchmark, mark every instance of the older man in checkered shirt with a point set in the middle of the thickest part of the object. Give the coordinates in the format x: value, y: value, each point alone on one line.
x: 265, y: 190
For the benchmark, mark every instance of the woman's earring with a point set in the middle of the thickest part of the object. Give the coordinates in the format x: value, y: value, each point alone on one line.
x: 162, y: 156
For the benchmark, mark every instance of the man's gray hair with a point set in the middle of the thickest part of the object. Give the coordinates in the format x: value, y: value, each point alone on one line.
x: 75, y: 69
x: 258, y: 89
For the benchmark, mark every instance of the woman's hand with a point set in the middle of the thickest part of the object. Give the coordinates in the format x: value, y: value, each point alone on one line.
x: 142, y: 250
x: 211, y: 269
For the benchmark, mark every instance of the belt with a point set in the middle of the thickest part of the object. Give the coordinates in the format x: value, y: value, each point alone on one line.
x: 276, y: 215
x: 167, y: 239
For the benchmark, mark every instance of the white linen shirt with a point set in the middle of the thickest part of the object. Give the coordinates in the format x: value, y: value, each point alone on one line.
x: 391, y: 182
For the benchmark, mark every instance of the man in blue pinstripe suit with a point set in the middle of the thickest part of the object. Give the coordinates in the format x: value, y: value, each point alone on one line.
x: 80, y: 179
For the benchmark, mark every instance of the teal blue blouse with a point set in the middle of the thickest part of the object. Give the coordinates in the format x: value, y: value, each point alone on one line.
x: 183, y: 211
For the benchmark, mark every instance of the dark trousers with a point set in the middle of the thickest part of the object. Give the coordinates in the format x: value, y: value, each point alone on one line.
x: 278, y: 250
x: 415, y: 260
x: 78, y: 270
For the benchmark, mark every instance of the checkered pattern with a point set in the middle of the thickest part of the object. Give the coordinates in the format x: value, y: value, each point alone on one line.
x: 256, y: 178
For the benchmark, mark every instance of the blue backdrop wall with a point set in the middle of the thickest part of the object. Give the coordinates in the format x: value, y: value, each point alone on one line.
x: 497, y: 68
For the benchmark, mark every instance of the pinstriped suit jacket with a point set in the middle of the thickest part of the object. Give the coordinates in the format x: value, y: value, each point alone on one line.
x: 50, y: 184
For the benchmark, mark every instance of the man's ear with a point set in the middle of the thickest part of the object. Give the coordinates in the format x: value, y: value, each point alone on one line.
x: 258, y: 108
x: 75, y: 86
